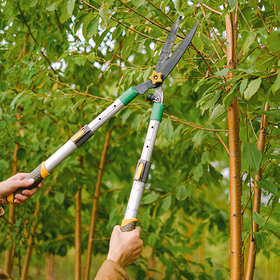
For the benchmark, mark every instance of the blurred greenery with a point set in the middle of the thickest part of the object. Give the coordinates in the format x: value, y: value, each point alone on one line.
x: 63, y: 62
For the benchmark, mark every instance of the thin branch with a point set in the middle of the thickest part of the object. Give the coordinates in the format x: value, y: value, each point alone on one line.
x: 252, y: 126
x: 213, y: 32
x: 222, y: 142
x: 28, y: 27
x: 76, y: 91
x: 138, y: 32
x: 195, y: 125
x: 152, y: 22
x: 210, y: 9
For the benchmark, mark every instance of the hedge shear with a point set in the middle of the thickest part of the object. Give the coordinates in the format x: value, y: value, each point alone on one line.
x: 163, y: 68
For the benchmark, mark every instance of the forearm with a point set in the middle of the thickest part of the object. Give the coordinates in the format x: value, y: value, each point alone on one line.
x: 111, y: 270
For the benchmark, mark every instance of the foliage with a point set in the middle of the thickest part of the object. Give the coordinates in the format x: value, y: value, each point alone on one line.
x: 65, y: 61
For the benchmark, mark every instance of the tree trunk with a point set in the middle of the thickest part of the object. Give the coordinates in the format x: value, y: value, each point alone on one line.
x: 256, y: 200
x: 30, y: 244
x: 50, y: 267
x: 78, y: 251
x: 9, y: 253
x: 95, y: 204
x: 236, y: 260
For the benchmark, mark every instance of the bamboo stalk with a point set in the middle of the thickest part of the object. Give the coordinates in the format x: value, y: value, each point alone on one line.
x: 78, y: 251
x: 256, y: 200
x: 236, y: 260
x: 95, y: 204
x: 30, y: 244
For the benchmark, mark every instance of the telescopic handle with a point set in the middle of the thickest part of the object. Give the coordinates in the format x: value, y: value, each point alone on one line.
x: 38, y: 174
x: 76, y: 141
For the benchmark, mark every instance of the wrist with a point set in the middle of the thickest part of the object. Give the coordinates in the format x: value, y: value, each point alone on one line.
x: 116, y: 259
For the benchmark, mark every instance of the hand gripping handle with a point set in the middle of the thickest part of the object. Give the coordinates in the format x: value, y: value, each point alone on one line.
x: 38, y: 174
x: 128, y: 225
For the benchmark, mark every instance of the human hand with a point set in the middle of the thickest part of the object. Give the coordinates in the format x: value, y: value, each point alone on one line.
x: 125, y: 247
x: 12, y: 184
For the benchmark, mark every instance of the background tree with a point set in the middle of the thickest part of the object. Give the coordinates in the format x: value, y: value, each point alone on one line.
x: 65, y: 61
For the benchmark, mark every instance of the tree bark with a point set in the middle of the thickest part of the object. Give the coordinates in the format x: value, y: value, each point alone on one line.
x: 9, y: 253
x: 236, y: 260
x: 256, y: 200
x: 95, y: 204
x: 30, y: 244
x: 78, y: 251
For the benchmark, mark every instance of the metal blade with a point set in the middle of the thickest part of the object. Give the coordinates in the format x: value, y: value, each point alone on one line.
x: 167, y: 66
x: 167, y: 47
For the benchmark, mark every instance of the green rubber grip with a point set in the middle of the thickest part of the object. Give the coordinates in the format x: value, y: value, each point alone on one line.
x: 128, y: 96
x: 157, y: 111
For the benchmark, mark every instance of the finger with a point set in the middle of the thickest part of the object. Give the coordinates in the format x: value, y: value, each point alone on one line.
x: 18, y: 176
x: 17, y: 201
x: 29, y: 192
x: 19, y: 184
x: 21, y: 198
x: 138, y: 229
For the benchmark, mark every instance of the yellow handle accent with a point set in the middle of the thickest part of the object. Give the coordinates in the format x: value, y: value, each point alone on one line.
x: 139, y: 171
x: 127, y: 221
x: 78, y: 135
x: 44, y: 172
x: 10, y: 198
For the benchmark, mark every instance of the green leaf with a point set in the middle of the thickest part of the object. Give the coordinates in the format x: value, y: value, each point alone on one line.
x: 178, y: 5
x: 214, y: 173
x: 59, y: 197
x: 137, y: 3
x: 261, y: 239
x: 258, y: 219
x: 166, y: 203
x: 273, y: 113
x: 93, y: 27
x: 152, y: 239
x: 268, y: 156
x: 15, y: 100
x: 198, y: 43
x: 204, y: 157
x: 265, y: 62
x: 86, y: 21
x: 3, y: 124
x: 218, y: 113
x: 150, y: 198
x: 252, y: 88
x: 276, y: 233
x: 276, y: 85
x: 231, y: 3
x: 198, y: 172
x: 181, y: 193
x: 273, y: 42
x: 70, y: 7
x: 145, y: 218
x: 218, y: 274
x: 243, y: 85
x: 268, y: 186
x: 3, y: 85
x: 53, y: 6
x: 252, y: 156
x: 45, y: 122
x: 222, y: 73
x: 167, y: 129
x: 198, y: 138
x: 21, y: 154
